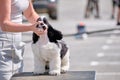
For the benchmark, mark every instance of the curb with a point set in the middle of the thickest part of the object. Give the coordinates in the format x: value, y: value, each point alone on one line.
x: 92, y: 32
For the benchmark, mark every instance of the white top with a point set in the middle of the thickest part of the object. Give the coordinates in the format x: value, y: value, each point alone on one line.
x: 17, y: 7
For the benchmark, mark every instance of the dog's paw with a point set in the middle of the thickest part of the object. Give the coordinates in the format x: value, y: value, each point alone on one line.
x: 38, y: 72
x: 64, y: 69
x: 54, y: 73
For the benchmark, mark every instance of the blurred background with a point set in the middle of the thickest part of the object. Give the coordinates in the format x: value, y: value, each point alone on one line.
x: 98, y: 50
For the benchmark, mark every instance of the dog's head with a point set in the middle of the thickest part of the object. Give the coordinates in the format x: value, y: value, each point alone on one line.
x: 52, y: 33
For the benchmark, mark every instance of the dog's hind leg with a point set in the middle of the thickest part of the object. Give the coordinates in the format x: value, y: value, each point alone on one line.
x: 65, y: 63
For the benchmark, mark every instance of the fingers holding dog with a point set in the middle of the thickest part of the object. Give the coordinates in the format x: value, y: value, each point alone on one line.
x: 37, y: 28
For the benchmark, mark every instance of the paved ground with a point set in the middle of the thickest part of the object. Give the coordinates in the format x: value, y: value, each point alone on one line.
x: 100, y: 52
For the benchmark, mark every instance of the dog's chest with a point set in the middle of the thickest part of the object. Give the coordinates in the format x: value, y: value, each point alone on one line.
x: 48, y: 51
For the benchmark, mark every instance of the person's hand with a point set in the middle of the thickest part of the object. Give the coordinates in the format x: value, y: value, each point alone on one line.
x: 39, y: 31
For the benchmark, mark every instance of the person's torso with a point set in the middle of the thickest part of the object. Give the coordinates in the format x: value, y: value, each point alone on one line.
x: 17, y: 7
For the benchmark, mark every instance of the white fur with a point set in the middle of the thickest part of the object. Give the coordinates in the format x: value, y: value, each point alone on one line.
x: 45, y: 51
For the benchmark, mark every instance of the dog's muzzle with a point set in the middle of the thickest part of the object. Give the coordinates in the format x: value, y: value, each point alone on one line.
x: 42, y: 25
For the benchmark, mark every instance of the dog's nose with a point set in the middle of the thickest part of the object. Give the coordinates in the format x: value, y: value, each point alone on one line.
x: 43, y: 27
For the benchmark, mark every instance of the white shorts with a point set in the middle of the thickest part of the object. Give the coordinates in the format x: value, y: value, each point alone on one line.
x: 11, y: 57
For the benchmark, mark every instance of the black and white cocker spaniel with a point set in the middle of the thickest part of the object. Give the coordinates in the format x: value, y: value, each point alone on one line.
x: 50, y: 51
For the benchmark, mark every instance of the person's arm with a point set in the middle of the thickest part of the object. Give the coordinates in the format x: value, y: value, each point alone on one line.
x: 8, y: 26
x: 30, y: 13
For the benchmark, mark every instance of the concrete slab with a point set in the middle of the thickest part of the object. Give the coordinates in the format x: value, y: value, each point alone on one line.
x: 71, y: 75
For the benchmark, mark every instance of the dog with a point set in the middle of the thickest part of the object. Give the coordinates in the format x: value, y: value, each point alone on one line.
x: 51, y: 53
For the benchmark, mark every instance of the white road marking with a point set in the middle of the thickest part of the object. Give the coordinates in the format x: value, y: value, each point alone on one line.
x: 112, y: 36
x: 105, y: 47
x: 113, y: 54
x: 116, y: 31
x: 100, y: 54
x: 109, y: 41
x: 96, y: 63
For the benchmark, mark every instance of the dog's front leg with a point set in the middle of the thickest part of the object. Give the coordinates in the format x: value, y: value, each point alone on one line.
x: 55, y: 64
x: 39, y: 66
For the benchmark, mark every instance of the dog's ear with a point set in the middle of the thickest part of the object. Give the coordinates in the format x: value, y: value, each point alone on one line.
x: 35, y: 38
x: 58, y: 34
x: 54, y: 34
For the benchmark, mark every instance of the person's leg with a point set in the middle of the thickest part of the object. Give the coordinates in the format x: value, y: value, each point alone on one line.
x: 113, y: 9
x: 87, y: 10
x: 9, y: 66
x: 97, y: 9
x: 118, y: 16
x: 5, y: 75
x: 5, y: 68
x: 9, y: 62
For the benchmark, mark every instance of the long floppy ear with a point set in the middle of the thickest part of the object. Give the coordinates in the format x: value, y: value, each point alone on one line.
x: 35, y: 38
x: 54, y: 34
x: 58, y: 34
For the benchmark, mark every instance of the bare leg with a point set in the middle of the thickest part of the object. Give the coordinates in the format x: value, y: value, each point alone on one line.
x: 113, y: 10
x: 118, y: 16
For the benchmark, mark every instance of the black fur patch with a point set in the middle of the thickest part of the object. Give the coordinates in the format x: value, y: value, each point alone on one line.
x: 64, y: 49
x: 54, y: 34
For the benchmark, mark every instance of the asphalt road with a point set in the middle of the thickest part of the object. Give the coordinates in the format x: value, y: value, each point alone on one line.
x: 100, y: 52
